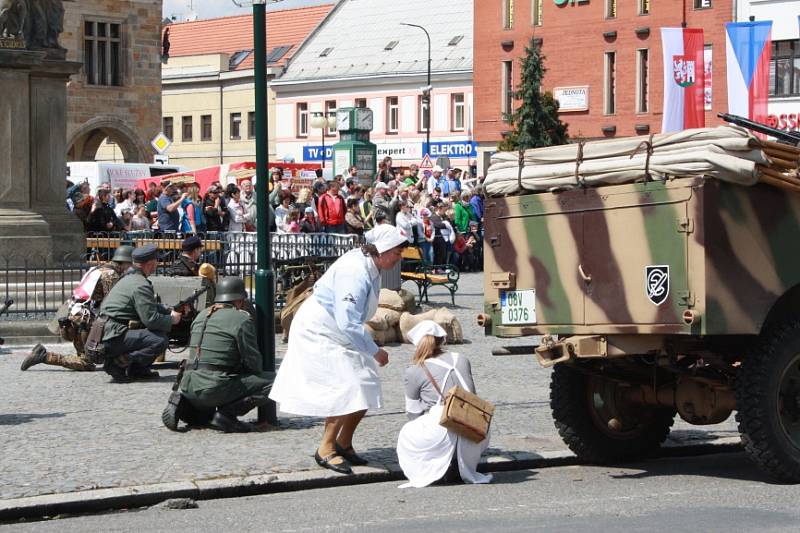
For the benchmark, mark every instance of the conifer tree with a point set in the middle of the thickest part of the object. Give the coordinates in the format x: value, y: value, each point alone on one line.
x: 535, y: 122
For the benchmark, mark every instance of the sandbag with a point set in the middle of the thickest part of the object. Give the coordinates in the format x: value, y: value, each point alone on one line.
x: 390, y: 300
x: 445, y: 318
x: 408, y: 321
x: 382, y: 337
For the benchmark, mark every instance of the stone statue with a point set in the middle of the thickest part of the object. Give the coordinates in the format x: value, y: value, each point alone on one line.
x: 12, y: 18
x: 45, y: 23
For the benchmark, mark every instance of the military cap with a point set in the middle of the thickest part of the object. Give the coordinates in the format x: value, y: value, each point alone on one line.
x: 145, y: 253
x: 123, y: 254
x: 191, y: 243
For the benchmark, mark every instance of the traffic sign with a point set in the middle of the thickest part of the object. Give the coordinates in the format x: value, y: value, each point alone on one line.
x: 161, y: 143
x: 426, y: 162
x: 161, y: 159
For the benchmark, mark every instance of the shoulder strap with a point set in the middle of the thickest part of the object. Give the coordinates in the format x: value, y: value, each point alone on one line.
x: 452, y: 369
x: 433, y: 381
x: 213, y: 309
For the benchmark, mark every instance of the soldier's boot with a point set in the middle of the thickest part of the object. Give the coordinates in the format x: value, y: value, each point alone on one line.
x: 38, y: 355
x: 141, y: 372
x: 225, y: 420
x: 175, y: 411
x: 116, y: 368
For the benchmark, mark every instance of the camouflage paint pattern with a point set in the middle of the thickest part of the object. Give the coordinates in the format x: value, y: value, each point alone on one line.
x: 732, y: 253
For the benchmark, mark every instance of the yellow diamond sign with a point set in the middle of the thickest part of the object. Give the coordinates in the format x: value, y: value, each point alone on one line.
x: 160, y: 143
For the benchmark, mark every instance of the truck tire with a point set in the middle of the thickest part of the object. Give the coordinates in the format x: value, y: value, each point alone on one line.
x: 586, y: 408
x: 768, y: 402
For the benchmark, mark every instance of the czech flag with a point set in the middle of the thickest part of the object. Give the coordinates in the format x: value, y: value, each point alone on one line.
x: 684, y: 79
x: 749, y: 49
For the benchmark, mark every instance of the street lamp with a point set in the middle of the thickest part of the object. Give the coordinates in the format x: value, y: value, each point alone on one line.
x: 265, y: 276
x: 426, y: 91
x: 319, y: 120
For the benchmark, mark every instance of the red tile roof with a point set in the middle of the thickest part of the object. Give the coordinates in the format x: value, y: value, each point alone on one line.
x: 288, y: 27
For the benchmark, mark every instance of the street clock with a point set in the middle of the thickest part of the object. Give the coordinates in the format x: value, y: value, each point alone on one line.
x: 354, y: 119
x: 354, y: 148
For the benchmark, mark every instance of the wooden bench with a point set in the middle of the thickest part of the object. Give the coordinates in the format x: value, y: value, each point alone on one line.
x: 424, y: 275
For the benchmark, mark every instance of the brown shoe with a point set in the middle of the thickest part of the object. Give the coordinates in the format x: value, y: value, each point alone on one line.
x: 37, y: 355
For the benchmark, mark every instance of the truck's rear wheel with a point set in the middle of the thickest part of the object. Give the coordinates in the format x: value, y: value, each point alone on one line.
x: 597, y: 423
x: 768, y: 402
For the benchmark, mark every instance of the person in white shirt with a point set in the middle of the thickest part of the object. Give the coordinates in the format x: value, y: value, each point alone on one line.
x: 126, y: 203
x: 407, y: 221
x: 331, y: 364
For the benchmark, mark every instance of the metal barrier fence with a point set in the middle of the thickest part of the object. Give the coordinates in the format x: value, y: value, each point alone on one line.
x: 38, y: 291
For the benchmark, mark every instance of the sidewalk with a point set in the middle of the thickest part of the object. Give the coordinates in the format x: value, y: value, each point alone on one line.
x: 64, y: 431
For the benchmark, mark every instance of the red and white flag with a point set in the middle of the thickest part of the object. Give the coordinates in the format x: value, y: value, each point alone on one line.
x: 684, y: 79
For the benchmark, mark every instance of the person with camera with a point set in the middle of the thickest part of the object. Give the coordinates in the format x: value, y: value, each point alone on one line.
x: 137, y: 327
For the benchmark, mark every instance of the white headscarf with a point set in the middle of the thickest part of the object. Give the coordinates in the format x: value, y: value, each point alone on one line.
x: 426, y: 327
x: 385, y: 237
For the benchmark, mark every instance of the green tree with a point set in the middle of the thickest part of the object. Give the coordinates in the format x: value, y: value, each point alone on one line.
x: 535, y: 122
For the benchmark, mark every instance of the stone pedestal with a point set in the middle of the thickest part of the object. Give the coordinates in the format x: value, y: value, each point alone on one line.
x: 35, y: 224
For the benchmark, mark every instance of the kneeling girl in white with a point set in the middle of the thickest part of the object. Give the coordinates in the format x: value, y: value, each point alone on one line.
x: 424, y: 448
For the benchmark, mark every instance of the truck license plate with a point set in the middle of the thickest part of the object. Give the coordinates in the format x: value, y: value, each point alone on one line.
x: 518, y: 307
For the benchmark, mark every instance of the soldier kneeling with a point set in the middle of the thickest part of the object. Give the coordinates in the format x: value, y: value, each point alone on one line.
x: 96, y: 284
x: 137, y: 328
x: 224, y: 375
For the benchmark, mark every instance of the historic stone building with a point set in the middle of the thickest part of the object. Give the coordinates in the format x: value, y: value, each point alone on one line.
x: 117, y: 93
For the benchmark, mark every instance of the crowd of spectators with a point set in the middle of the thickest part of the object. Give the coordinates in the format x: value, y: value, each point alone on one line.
x: 439, y: 212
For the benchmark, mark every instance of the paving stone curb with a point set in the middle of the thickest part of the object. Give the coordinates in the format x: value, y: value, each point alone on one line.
x: 98, y: 500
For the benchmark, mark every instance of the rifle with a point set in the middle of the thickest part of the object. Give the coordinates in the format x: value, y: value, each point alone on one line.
x: 190, y: 300
x: 8, y: 303
x: 785, y: 137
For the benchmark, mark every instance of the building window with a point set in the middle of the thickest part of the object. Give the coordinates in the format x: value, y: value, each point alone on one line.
x: 235, y: 129
x: 784, y: 68
x: 644, y: 7
x: 302, y: 119
x: 330, y: 111
x: 611, y: 9
x: 168, y: 128
x: 702, y: 4
x: 610, y: 95
x: 361, y: 102
x: 251, y: 125
x: 392, y: 114
x: 186, y: 129
x: 205, y: 128
x: 642, y: 80
x: 507, y: 89
x: 457, y: 106
x: 536, y: 12
x: 102, y: 57
x: 508, y: 14
x: 422, y: 105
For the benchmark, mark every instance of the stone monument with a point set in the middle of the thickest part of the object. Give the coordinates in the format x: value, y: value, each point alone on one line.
x: 35, y: 224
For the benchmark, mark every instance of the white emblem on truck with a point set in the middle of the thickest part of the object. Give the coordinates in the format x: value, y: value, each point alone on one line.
x: 657, y: 283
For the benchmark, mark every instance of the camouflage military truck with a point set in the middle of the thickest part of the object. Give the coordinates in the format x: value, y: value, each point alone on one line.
x: 656, y: 298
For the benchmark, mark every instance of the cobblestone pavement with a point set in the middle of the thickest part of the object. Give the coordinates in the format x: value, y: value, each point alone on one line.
x: 63, y: 431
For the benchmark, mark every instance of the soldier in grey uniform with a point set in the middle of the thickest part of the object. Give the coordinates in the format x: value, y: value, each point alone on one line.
x: 224, y: 377
x: 76, y: 324
x: 132, y: 302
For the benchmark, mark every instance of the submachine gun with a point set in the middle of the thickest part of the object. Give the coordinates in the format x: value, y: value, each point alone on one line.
x: 786, y: 137
x: 8, y: 303
x: 180, y: 333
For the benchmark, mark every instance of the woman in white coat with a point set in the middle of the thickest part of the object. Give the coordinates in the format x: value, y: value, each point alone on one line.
x: 424, y: 448
x: 331, y: 364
